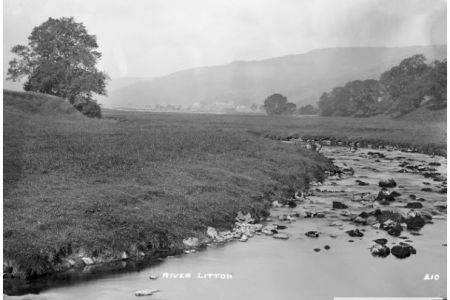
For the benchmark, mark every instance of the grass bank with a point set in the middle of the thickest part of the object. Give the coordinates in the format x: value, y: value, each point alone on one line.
x: 131, y: 182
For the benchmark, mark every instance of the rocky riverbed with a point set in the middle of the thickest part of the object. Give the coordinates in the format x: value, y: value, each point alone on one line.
x: 376, y: 227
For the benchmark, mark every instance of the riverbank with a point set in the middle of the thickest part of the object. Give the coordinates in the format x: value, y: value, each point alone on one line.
x: 81, y: 192
x: 342, y: 221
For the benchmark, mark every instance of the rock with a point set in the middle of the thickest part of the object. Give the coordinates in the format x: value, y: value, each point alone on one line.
x: 124, y: 256
x: 87, y: 261
x: 388, y: 183
x: 281, y: 227
x: 326, y: 247
x: 191, y: 242
x: 354, y: 233
x: 281, y: 236
x: 153, y: 277
x: 381, y: 241
x: 403, y: 250
x: 351, y: 241
x: 363, y: 215
x: 361, y: 183
x: 360, y: 220
x: 282, y: 217
x: 276, y: 204
x: 414, y: 205
x: 371, y: 220
x: 384, y: 195
x: 376, y: 225
x: 395, y: 194
x: 375, y: 154
x: 348, y: 171
x: 395, y: 230
x: 415, y: 222
x: 212, y: 233
x: 312, y: 234
x: 339, y: 205
x: 291, y: 204
x: 243, y: 238
x: 244, y: 218
x: 427, y: 189
x: 380, y: 250
x: 146, y: 292
x: 317, y: 249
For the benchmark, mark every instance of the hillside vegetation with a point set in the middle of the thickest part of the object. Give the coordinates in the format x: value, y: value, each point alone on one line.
x: 76, y: 187
x: 400, y: 90
x: 302, y: 78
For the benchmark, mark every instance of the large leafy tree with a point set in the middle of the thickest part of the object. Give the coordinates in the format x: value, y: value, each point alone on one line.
x: 60, y: 60
x: 277, y: 104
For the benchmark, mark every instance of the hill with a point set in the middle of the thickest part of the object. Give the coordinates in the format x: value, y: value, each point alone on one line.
x: 301, y: 77
x: 30, y: 103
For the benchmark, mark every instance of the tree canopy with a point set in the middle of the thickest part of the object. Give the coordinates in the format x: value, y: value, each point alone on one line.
x: 277, y: 104
x: 399, y: 90
x: 60, y: 60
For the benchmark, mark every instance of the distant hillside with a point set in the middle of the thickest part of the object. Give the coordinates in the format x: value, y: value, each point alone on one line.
x: 301, y: 77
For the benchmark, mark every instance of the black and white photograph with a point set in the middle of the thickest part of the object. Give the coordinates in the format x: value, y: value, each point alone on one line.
x: 212, y: 149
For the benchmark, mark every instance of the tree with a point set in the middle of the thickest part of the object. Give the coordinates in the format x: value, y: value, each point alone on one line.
x: 277, y: 104
x: 308, y: 110
x: 60, y: 60
x: 254, y: 107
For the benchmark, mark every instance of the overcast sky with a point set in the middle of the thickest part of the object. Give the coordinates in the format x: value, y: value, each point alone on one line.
x: 146, y: 38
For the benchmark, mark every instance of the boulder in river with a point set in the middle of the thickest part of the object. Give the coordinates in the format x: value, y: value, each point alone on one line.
x: 276, y: 204
x: 403, y: 250
x: 360, y: 220
x: 415, y: 222
x: 361, y: 183
x: 281, y: 236
x: 326, y: 247
x: 390, y: 183
x: 355, y: 233
x: 312, y: 234
x: 243, y: 238
x: 395, y: 230
x: 380, y: 250
x: 339, y: 205
x: 384, y: 195
x: 146, y: 292
x: 414, y: 205
x: 381, y: 241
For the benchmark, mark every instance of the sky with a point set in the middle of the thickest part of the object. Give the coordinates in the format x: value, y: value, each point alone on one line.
x: 150, y: 38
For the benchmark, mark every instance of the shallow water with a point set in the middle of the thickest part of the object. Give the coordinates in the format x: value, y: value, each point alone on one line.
x: 266, y: 268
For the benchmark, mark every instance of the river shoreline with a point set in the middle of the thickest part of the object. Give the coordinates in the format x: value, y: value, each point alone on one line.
x: 146, y: 260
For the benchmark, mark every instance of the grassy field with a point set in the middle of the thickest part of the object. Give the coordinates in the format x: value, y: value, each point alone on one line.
x: 143, y: 181
x: 131, y: 182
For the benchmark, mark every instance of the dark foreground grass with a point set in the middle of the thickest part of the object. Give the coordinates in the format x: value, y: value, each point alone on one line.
x: 131, y: 182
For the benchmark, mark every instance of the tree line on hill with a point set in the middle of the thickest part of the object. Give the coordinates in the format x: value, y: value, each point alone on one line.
x: 411, y: 84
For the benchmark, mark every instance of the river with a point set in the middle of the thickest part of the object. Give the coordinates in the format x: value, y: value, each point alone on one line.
x: 267, y: 268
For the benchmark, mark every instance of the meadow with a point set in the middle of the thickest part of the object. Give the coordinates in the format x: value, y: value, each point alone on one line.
x: 130, y: 182
x: 141, y: 182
